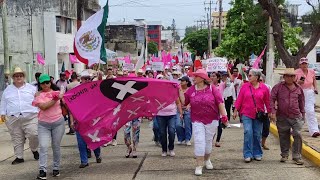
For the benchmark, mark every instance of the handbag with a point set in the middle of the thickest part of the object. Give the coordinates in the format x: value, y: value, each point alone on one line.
x: 261, y: 116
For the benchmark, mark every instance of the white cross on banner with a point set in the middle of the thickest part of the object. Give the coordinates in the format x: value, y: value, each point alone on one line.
x: 124, y: 89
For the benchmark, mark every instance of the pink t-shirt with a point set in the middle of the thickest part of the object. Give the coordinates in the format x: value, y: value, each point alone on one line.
x: 170, y: 110
x: 309, y: 78
x: 245, y: 104
x: 52, y: 114
x: 204, y: 104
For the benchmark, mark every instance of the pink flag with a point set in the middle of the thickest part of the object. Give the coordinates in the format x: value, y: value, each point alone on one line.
x: 40, y: 59
x: 258, y: 60
x: 101, y: 108
x: 73, y: 59
x: 127, y: 59
x: 164, y: 56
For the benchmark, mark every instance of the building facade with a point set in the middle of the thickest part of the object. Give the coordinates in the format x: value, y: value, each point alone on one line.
x: 154, y: 32
x: 47, y: 27
x: 215, y: 20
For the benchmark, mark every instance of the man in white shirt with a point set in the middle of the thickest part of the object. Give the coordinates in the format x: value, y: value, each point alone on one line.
x: 20, y: 116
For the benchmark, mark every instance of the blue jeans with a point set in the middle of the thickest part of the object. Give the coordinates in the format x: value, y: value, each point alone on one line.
x: 156, y: 130
x: 167, y: 122
x: 50, y: 132
x: 184, y: 127
x: 252, y: 138
x: 83, y: 149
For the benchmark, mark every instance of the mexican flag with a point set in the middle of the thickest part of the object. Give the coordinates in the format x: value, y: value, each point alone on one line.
x: 90, y: 39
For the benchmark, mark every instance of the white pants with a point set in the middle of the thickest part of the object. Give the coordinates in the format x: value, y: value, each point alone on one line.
x: 310, y: 100
x: 21, y: 128
x: 203, y: 136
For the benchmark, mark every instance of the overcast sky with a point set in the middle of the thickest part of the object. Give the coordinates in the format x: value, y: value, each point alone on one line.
x: 185, y: 12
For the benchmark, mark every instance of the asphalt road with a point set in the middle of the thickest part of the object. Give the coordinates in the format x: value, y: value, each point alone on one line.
x: 227, y: 161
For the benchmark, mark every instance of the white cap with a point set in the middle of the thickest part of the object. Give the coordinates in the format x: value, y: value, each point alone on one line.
x: 148, y: 69
x: 167, y: 67
x: 159, y: 76
x: 85, y: 74
x: 140, y: 71
x: 174, y: 67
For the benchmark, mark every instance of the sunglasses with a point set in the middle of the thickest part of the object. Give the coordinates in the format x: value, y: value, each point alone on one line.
x: 46, y: 82
x: 290, y: 76
x: 17, y: 76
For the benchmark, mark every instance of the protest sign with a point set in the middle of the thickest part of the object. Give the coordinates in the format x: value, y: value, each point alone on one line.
x: 157, y: 66
x: 216, y: 64
x: 128, y: 66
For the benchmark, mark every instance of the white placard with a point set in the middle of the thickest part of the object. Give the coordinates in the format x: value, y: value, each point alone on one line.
x: 157, y: 66
x: 216, y: 64
x: 128, y: 66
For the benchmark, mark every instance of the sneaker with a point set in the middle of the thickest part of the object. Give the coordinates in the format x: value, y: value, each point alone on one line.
x: 83, y: 165
x: 284, y: 159
x: 247, y: 160
x: 316, y: 134
x: 179, y: 142
x: 36, y: 155
x: 298, y: 161
x: 217, y: 144
x: 42, y: 175
x: 134, y: 154
x: 258, y: 158
x: 208, y: 164
x: 198, y: 171
x: 164, y: 154
x: 188, y: 143
x: 114, y: 142
x: 98, y: 160
x: 70, y: 133
x: 172, y: 154
x: 17, y: 161
x: 229, y: 126
x: 55, y: 173
x: 265, y: 147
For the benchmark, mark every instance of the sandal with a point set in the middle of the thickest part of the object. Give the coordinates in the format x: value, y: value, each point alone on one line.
x: 128, y: 152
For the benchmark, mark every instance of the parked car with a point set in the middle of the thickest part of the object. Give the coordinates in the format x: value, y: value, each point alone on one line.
x: 316, y: 68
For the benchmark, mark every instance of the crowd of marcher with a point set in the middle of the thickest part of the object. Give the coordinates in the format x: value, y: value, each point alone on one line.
x: 206, y: 104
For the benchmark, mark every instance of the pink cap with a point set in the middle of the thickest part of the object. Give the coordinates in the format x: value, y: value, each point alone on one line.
x: 201, y: 73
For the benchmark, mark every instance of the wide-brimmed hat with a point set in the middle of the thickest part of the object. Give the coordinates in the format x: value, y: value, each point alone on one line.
x: 140, y: 71
x: 201, y: 73
x: 85, y: 73
x: 288, y: 71
x: 176, y: 73
x: 18, y: 70
x: 303, y: 60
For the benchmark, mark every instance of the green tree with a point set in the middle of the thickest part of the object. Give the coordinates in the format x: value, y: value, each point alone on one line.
x: 190, y: 29
x: 245, y: 33
x: 274, y: 9
x: 198, y: 41
x: 152, y: 48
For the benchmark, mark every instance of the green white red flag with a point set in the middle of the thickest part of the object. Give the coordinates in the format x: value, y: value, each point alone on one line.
x: 89, y: 41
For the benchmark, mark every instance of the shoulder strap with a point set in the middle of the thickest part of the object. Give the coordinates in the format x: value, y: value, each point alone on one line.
x: 254, y: 101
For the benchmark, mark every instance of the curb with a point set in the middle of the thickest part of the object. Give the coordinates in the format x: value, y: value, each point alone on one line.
x: 307, y: 152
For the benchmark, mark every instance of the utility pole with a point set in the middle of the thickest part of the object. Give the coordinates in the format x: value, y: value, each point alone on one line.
x: 270, y: 55
x: 209, y: 27
x: 5, y: 37
x: 220, y: 21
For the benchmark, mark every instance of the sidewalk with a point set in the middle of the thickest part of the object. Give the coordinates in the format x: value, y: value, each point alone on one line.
x: 227, y: 160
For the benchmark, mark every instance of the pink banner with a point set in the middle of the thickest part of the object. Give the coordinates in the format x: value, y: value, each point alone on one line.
x: 101, y: 108
x: 40, y: 59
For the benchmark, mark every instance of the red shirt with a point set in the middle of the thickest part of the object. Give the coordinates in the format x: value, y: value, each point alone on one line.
x: 290, y: 102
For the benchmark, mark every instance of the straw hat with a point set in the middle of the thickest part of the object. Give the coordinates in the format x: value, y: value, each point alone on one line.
x: 288, y: 71
x: 18, y: 70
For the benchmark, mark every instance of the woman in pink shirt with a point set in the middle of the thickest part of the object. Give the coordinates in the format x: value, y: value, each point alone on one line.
x: 206, y: 108
x: 50, y: 126
x: 253, y: 97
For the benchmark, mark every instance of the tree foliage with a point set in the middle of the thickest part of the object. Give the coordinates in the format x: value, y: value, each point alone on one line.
x: 152, y: 48
x: 197, y: 41
x: 289, y: 59
x: 245, y: 33
x: 190, y: 29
